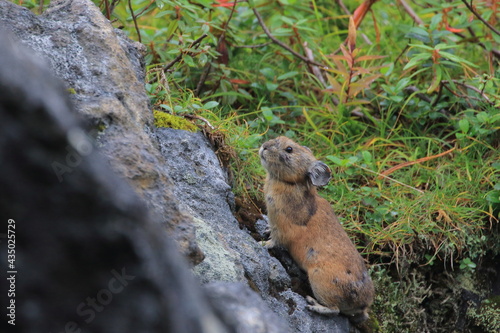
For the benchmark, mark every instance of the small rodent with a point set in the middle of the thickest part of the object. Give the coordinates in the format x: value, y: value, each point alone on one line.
x: 305, y: 224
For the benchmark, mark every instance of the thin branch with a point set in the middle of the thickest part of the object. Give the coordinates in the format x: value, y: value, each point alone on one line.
x: 411, y: 12
x: 208, y: 66
x: 146, y: 8
x: 402, y: 52
x: 203, y: 78
x: 226, y: 25
x: 280, y: 43
x: 179, y: 57
x: 344, y: 8
x: 469, y: 87
x: 471, y: 8
x: 192, y: 116
x: 108, y: 12
x: 495, y: 53
x: 135, y: 21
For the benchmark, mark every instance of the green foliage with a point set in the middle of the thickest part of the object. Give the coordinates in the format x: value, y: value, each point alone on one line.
x: 416, y: 91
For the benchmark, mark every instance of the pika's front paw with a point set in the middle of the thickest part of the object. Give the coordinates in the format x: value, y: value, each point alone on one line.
x: 314, y: 306
x: 269, y: 244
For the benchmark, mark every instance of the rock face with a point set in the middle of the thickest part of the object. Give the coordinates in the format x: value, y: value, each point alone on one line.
x: 103, y: 70
x: 83, y: 226
x: 88, y: 254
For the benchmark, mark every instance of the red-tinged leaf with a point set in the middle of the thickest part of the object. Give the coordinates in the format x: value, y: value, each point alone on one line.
x: 361, y: 11
x: 336, y: 71
x: 239, y: 81
x: 375, y: 25
x: 337, y: 57
x: 364, y: 83
x: 340, y: 68
x: 223, y: 3
x: 336, y: 87
x: 351, y: 38
x: 348, y: 55
x: 369, y: 57
x: 450, y: 29
x: 360, y: 71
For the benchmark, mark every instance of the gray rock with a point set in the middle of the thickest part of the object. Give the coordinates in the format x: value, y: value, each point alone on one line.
x: 88, y: 255
x: 262, y: 227
x: 202, y: 189
x: 246, y: 310
x: 103, y: 69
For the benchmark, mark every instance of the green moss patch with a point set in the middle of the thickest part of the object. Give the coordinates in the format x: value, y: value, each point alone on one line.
x: 163, y: 119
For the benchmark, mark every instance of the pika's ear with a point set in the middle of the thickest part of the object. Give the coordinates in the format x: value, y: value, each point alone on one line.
x: 319, y: 173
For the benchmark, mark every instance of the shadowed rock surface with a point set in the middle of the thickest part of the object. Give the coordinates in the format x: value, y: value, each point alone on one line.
x: 88, y: 255
x: 103, y: 70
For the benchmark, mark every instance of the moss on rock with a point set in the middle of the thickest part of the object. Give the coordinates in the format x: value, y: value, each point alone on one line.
x: 163, y: 119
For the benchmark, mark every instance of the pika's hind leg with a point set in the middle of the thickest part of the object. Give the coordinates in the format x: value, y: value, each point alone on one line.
x: 321, y: 309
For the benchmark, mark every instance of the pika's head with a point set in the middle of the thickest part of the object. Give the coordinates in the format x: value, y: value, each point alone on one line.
x: 289, y: 162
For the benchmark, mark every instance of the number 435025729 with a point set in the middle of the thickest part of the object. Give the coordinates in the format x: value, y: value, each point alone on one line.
x: 11, y: 241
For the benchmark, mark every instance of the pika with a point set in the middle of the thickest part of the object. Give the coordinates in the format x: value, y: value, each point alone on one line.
x: 305, y: 224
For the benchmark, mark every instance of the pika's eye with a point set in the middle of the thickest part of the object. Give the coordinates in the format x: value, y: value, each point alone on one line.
x: 288, y: 149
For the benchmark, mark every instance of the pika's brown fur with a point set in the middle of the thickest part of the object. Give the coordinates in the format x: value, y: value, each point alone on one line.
x: 306, y: 225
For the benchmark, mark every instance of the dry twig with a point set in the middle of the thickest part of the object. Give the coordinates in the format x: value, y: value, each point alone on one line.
x: 469, y: 87
x: 411, y: 12
x: 208, y: 66
x: 280, y: 43
x: 179, y: 57
x: 134, y: 18
x: 420, y: 160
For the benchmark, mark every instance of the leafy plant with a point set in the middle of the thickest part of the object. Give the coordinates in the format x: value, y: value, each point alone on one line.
x: 352, y: 78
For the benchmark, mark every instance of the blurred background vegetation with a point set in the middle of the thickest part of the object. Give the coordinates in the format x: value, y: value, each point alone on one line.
x: 401, y: 98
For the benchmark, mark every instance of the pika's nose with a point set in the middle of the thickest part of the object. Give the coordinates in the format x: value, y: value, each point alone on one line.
x: 261, y: 150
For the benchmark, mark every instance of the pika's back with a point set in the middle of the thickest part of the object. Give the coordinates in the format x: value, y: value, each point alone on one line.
x: 289, y: 162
